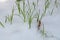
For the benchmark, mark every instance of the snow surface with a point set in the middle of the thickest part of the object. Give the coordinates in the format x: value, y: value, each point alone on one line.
x: 20, y: 31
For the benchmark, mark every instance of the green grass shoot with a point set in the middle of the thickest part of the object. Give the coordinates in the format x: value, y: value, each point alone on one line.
x: 18, y: 6
x: 1, y: 24
x: 9, y: 18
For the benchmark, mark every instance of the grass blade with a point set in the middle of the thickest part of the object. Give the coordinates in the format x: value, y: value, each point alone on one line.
x: 47, y: 3
x: 18, y: 6
x: 56, y: 3
x: 18, y: 0
x: 34, y: 5
x: 1, y: 24
x: 43, y: 14
x: 52, y: 11
x: 5, y: 19
x: 11, y: 18
x: 30, y: 21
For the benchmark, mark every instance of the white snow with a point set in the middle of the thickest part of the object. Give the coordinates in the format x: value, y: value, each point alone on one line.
x: 20, y: 30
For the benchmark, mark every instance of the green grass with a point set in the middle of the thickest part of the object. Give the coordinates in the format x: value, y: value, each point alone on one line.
x: 9, y: 18
x: 18, y: 5
x: 28, y: 16
x: 52, y: 11
x: 30, y: 13
x: 47, y: 4
x: 30, y: 21
x: 56, y: 3
x: 18, y: 0
x: 1, y: 24
x: 21, y: 11
x: 43, y: 32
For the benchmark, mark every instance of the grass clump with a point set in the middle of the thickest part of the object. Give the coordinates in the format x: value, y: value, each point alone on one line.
x: 29, y: 14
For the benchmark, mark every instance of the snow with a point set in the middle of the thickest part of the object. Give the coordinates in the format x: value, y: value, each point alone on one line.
x: 20, y: 30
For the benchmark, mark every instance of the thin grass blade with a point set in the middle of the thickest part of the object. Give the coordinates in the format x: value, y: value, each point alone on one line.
x: 1, y: 24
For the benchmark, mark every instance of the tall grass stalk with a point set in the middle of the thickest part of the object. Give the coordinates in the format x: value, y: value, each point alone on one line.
x: 23, y: 13
x: 20, y: 10
x: 9, y: 18
x: 56, y: 3
x: 47, y: 4
x: 43, y: 31
x: 30, y: 13
x: 18, y: 5
x: 52, y: 11
x: 30, y: 21
x: 1, y: 24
